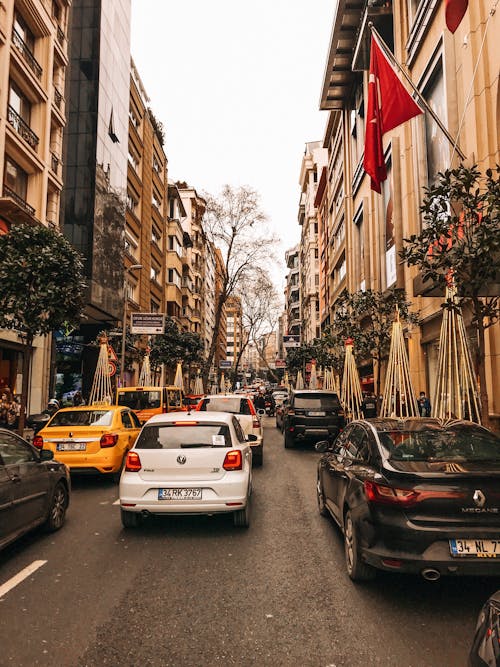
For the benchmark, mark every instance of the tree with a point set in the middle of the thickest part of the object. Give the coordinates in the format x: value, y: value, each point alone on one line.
x: 175, y: 345
x: 235, y: 224
x: 367, y: 317
x: 460, y: 241
x: 41, y: 288
x: 320, y: 350
x: 260, y: 312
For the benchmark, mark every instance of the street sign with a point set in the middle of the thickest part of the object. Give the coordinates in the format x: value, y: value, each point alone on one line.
x: 111, y: 368
x: 291, y: 341
x: 280, y: 363
x: 147, y: 323
x: 225, y: 363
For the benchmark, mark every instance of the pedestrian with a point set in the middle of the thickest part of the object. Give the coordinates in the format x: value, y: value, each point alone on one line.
x: 77, y: 398
x: 13, y: 414
x: 369, y: 405
x: 424, y: 405
x: 259, y: 401
x: 4, y: 409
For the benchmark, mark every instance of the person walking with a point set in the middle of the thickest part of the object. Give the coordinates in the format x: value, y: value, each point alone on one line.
x: 369, y: 406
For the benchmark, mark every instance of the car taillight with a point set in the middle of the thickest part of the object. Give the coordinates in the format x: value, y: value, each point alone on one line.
x: 256, y: 423
x: 38, y: 442
x: 389, y: 495
x: 108, y: 440
x: 133, y: 462
x: 233, y: 460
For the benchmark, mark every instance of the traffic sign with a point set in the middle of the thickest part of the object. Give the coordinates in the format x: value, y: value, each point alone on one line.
x: 111, y: 368
x: 147, y: 323
x: 224, y: 363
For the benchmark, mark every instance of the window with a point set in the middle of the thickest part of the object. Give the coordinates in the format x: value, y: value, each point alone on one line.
x: 156, y: 165
x: 15, y: 178
x: 155, y: 236
x: 131, y: 203
x: 24, y: 32
x: 173, y: 277
x: 13, y: 450
x: 438, y: 151
x: 133, y: 159
x: 155, y: 307
x: 156, y: 200
x: 155, y: 274
x: 134, y: 119
x: 19, y: 102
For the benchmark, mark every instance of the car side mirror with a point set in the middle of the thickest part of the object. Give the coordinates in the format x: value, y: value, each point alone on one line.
x: 323, y: 446
x: 46, y: 455
x: 251, y: 437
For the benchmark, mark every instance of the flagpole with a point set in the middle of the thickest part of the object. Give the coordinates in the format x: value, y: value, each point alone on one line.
x: 424, y: 102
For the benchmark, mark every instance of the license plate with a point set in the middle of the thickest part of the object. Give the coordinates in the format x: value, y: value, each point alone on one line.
x: 476, y: 548
x: 179, y: 494
x: 71, y: 446
x: 317, y: 413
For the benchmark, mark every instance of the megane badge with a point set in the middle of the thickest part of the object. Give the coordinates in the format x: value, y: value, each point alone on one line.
x: 479, y: 498
x: 181, y: 459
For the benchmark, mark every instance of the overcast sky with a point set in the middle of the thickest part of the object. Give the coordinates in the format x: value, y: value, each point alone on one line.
x: 237, y: 85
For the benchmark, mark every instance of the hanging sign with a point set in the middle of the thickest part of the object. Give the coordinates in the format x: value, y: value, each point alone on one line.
x: 147, y: 323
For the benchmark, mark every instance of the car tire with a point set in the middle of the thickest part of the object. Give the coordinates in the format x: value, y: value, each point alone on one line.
x: 356, y: 569
x: 321, y: 498
x: 289, y: 441
x: 130, y: 519
x: 257, y: 460
x: 57, y: 509
x: 241, y: 518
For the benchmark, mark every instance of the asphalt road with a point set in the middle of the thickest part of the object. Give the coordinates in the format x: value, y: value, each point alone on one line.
x: 199, y: 592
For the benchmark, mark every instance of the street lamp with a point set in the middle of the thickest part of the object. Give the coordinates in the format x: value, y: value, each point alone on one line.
x: 134, y: 267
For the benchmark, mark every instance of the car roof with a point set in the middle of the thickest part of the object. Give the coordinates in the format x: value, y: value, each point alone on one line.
x: 382, y: 424
x: 191, y: 416
x: 327, y: 392
x: 83, y: 408
x: 226, y: 396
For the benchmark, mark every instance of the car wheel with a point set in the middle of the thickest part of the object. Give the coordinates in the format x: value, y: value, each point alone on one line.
x: 57, y: 510
x: 258, y: 460
x: 289, y: 441
x: 131, y: 519
x: 356, y: 569
x: 241, y: 518
x: 321, y: 498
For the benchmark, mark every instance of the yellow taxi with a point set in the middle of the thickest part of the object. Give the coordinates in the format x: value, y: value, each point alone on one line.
x: 91, y: 438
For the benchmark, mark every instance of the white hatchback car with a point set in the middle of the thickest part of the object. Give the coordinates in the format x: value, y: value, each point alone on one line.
x: 188, y: 463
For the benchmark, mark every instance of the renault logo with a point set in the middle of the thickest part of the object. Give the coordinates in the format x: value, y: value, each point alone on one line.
x: 181, y: 459
x: 479, y: 498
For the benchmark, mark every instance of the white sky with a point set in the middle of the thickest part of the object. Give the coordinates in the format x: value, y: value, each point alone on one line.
x: 236, y: 85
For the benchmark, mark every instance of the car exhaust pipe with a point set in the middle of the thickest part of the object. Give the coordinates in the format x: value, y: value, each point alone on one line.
x: 430, y: 574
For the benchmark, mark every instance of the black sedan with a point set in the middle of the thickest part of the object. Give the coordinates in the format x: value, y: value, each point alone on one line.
x: 34, y: 489
x: 485, y: 651
x: 414, y: 495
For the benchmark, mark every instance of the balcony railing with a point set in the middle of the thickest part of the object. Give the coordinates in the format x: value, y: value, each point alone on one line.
x: 21, y: 45
x: 54, y: 163
x: 8, y: 192
x: 58, y: 98
x: 22, y: 127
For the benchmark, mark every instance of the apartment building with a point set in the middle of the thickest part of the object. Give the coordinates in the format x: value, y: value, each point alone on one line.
x: 315, y: 157
x: 209, y: 301
x: 234, y: 328
x: 33, y: 64
x: 221, y: 341
x: 362, y: 231
x: 292, y: 323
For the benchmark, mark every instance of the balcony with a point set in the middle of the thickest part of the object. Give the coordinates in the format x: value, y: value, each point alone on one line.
x: 30, y: 59
x: 14, y: 208
x: 22, y: 128
x: 58, y: 98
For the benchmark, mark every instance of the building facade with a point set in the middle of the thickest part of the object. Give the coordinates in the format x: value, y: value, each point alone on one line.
x: 363, y: 231
x: 33, y: 70
x: 234, y: 329
x: 292, y: 318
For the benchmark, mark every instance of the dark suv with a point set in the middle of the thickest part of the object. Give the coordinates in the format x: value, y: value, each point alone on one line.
x: 312, y: 414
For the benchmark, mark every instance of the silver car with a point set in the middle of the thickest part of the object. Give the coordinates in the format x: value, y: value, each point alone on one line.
x: 188, y: 463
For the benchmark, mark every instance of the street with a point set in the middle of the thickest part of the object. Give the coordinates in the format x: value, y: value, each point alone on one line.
x: 199, y: 592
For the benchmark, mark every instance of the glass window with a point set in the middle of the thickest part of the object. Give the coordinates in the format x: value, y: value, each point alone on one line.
x: 140, y: 400
x: 82, y: 418
x: 127, y: 422
x: 438, y: 150
x: 14, y: 451
x: 19, y: 102
x: 184, y: 435
x: 15, y: 178
x: 239, y: 431
x: 316, y: 401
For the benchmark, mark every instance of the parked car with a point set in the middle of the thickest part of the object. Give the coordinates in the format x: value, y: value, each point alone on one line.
x: 312, y: 415
x: 243, y: 408
x: 34, y: 489
x: 485, y: 651
x: 190, y: 401
x: 414, y: 495
x: 188, y: 463
x: 91, y: 438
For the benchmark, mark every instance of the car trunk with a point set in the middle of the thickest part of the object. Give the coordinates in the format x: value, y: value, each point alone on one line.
x: 69, y: 439
x: 187, y: 464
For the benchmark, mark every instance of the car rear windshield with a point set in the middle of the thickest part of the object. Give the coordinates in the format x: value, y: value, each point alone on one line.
x: 316, y: 402
x: 177, y: 436
x: 462, y: 444
x: 82, y: 418
x: 233, y: 404
x: 140, y: 400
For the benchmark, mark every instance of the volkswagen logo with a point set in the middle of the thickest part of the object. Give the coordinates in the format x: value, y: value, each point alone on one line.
x: 181, y: 459
x: 479, y: 498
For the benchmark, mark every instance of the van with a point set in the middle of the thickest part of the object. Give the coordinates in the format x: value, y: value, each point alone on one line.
x: 149, y: 401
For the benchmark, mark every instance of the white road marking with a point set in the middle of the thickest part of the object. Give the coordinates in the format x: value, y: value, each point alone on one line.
x: 20, y: 576
x: 117, y: 502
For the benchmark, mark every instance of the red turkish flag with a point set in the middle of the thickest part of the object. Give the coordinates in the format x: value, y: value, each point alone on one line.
x: 389, y: 105
x: 454, y: 13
